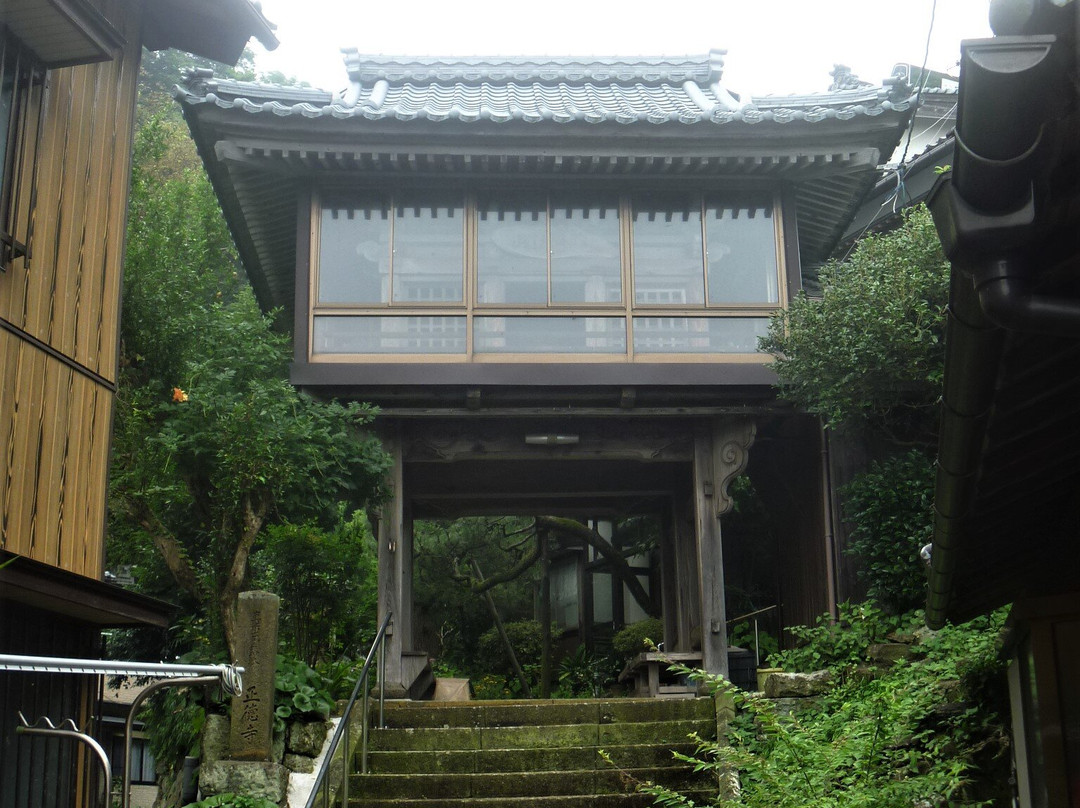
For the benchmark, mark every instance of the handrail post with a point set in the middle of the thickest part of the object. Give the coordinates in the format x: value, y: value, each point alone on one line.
x: 382, y: 684
x: 364, y: 735
x: 345, y: 770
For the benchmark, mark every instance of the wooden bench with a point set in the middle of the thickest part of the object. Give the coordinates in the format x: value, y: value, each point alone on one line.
x: 650, y: 676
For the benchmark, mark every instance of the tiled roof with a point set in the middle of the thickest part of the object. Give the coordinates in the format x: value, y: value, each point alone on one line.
x: 659, y: 90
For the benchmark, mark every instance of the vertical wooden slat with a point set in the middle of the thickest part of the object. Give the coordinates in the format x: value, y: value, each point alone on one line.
x: 114, y: 226
x: 74, y: 476
x: 22, y: 468
x: 9, y: 366
x: 54, y: 417
x: 94, y: 527
x: 65, y: 297
x: 81, y: 317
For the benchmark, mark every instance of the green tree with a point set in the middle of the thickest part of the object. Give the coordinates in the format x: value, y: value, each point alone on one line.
x: 870, y: 351
x: 327, y: 583
x: 868, y: 357
x: 212, y: 443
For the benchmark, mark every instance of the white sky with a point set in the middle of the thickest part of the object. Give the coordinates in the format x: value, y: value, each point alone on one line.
x: 774, y: 46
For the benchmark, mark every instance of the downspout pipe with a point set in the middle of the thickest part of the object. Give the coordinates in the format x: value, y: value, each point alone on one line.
x: 1004, y: 294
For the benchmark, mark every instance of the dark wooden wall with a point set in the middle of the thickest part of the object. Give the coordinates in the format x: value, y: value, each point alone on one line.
x: 786, y: 467
x: 43, y: 772
x: 59, y: 312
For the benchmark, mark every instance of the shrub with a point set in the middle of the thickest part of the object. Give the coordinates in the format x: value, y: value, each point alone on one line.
x: 637, y: 637
x: 841, y: 642
x: 584, y: 674
x: 232, y: 801
x: 526, y: 638
x: 890, y: 507
x: 299, y: 692
x: 877, y: 739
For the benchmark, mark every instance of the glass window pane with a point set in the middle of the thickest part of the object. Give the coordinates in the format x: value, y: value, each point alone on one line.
x: 586, y: 265
x: 741, y: 246
x: 354, y: 250
x: 388, y: 335
x: 632, y: 612
x: 602, y: 598
x: 511, y: 235
x: 668, y: 261
x: 564, y: 593
x: 7, y: 94
x: 429, y: 236
x: 698, y: 334
x: 550, y: 335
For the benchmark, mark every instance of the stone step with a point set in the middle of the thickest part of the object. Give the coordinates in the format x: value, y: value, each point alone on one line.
x: 518, y: 760
x: 701, y: 796
x: 406, y: 714
x: 518, y: 784
x: 539, y: 737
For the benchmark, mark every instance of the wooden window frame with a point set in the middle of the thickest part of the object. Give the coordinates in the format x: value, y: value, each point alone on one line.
x: 627, y: 310
x: 22, y: 128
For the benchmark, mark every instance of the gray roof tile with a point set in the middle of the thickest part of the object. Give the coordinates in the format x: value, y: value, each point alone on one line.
x: 656, y: 90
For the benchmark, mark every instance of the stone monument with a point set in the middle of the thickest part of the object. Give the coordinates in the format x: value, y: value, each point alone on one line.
x: 251, y: 733
x: 248, y: 766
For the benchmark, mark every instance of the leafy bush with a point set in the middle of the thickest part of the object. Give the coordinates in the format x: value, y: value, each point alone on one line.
x: 526, y: 638
x: 299, y: 692
x: 326, y: 580
x: 174, y: 718
x: 870, y: 350
x: 339, y: 676
x: 584, y: 674
x: 843, y: 642
x: 890, y: 508
x: 637, y: 637
x: 232, y: 801
x: 742, y: 636
x: 923, y: 732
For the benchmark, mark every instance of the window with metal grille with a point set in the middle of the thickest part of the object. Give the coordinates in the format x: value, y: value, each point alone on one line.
x: 21, y: 85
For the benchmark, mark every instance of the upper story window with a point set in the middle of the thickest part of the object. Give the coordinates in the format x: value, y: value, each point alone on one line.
x: 548, y: 250
x: 21, y: 80
x: 468, y: 273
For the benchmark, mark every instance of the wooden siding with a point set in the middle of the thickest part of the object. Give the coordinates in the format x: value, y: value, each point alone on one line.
x: 54, y: 449
x: 59, y: 314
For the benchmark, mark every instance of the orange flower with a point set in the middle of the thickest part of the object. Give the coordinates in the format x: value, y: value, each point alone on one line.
x: 178, y: 395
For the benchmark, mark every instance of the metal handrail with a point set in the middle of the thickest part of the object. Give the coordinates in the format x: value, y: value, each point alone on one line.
x: 341, y: 734
x: 754, y: 615
x: 68, y: 729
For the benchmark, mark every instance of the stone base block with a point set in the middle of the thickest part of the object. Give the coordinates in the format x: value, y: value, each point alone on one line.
x: 247, y: 777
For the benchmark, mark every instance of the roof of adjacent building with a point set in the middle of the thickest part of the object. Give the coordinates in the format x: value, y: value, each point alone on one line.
x: 656, y: 118
x: 658, y: 90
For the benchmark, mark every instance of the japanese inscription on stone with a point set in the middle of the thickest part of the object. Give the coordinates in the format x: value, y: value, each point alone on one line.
x: 251, y: 733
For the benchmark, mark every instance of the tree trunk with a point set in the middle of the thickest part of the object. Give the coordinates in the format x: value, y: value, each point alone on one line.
x: 619, y: 567
x: 254, y: 517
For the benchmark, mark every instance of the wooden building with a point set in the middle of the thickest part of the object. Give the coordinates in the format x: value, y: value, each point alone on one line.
x: 551, y: 275
x: 68, y: 75
x: 1007, y: 501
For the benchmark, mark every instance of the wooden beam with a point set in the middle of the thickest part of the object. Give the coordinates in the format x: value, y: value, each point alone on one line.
x: 485, y: 442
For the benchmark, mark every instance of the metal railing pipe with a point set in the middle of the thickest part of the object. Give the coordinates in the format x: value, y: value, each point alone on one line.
x: 343, y: 727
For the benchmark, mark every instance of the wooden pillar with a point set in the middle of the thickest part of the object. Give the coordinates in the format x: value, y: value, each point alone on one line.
x: 669, y: 584
x: 721, y: 450
x: 688, y: 591
x: 395, y: 570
